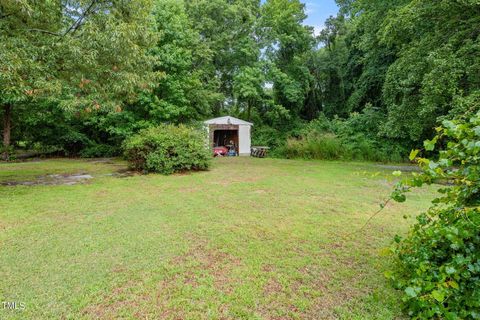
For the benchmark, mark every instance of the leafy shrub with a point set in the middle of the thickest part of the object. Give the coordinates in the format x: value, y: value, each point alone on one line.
x: 361, y: 147
x: 331, y: 146
x: 7, y: 153
x: 359, y: 135
x: 322, y: 146
x: 439, y: 260
x: 320, y: 125
x: 266, y: 136
x: 354, y: 138
x: 99, y: 150
x: 167, y: 149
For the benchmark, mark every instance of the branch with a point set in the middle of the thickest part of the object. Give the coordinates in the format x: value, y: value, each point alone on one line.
x: 375, y: 214
x: 74, y: 27
x: 45, y: 31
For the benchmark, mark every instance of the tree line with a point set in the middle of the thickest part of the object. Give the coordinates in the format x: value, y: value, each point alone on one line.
x: 80, y: 76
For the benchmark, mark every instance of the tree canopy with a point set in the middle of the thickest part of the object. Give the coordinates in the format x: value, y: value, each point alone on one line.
x: 80, y: 76
x: 81, y: 55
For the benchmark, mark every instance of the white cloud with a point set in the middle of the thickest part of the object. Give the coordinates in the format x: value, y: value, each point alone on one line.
x: 311, y: 7
x: 317, y: 29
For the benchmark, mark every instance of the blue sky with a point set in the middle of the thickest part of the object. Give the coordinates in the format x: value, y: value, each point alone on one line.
x: 318, y: 11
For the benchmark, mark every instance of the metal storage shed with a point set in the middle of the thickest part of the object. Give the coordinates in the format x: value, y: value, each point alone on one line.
x: 222, y: 130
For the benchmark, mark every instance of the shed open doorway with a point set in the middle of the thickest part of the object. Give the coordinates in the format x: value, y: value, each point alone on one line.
x: 226, y: 138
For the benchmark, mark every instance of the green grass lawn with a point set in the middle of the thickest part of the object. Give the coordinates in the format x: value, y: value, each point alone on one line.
x: 251, y: 239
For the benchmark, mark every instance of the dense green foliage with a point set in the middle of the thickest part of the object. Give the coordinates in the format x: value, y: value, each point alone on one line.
x: 167, y: 149
x: 75, y: 55
x: 313, y: 146
x: 342, y: 139
x: 439, y: 260
x: 384, y: 73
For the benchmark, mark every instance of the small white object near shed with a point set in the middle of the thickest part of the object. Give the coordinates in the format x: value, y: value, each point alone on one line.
x: 224, y: 131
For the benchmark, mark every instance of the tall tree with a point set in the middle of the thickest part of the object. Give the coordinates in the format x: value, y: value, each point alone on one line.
x: 228, y: 33
x: 328, y: 65
x: 413, y: 60
x: 288, y: 44
x: 80, y: 54
x: 180, y: 94
x: 248, y: 88
x: 438, y: 64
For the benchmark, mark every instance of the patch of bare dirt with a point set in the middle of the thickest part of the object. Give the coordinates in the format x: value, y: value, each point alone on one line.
x: 235, y: 178
x: 198, y: 263
x: 272, y: 287
x: 202, y: 261
x: 102, y: 160
x: 268, y: 268
x: 198, y: 266
x: 278, y: 301
x: 112, y: 305
x: 70, y: 179
x: 335, y: 289
x: 52, y: 179
x: 188, y: 190
x: 124, y: 173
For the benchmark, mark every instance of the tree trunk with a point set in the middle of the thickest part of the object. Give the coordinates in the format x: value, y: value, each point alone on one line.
x: 7, y: 126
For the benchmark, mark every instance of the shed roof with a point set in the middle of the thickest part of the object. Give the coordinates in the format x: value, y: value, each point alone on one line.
x: 228, y: 120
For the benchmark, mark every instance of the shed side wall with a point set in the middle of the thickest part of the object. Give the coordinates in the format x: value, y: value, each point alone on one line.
x: 244, y: 140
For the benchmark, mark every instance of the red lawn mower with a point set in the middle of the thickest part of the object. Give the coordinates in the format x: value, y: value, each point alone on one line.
x: 220, y: 151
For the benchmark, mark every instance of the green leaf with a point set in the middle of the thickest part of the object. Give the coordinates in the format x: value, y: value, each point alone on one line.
x: 397, y: 173
x: 451, y: 316
x: 453, y: 284
x: 450, y: 270
x: 477, y: 130
x: 398, y: 196
x: 433, y: 165
x: 410, y: 292
x: 430, y: 144
x: 397, y: 238
x: 438, y: 295
x: 413, y: 154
